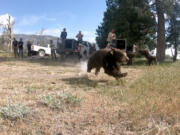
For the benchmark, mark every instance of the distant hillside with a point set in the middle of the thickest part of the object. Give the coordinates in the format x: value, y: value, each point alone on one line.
x: 36, y: 39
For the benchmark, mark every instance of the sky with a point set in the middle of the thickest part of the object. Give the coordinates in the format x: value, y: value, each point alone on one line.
x: 53, y: 15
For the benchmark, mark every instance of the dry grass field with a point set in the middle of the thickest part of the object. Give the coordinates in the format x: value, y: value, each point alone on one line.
x: 62, y: 99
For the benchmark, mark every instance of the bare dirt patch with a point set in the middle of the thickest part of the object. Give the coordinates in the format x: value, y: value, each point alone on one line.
x: 26, y: 82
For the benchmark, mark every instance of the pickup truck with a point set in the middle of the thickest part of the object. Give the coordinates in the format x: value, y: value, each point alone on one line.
x: 72, y: 48
x: 42, y: 51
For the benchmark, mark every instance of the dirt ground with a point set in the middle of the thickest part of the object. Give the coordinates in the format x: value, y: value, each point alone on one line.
x: 26, y: 81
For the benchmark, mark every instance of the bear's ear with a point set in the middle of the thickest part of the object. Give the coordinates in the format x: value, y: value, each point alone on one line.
x: 112, y: 51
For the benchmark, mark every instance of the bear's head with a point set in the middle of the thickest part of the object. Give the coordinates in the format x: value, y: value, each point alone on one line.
x: 119, y: 56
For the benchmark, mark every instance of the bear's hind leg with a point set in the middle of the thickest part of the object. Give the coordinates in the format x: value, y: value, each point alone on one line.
x: 97, y: 71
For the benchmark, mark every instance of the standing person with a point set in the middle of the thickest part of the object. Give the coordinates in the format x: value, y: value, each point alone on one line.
x: 64, y: 34
x: 20, y: 45
x: 134, y: 48
x: 79, y: 37
x: 53, y: 50
x: 111, y: 37
x: 29, y: 44
x: 15, y: 47
x: 63, y: 37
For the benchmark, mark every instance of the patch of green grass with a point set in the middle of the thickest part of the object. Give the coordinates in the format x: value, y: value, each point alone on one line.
x: 72, y: 99
x: 57, y: 101
x: 51, y: 101
x: 139, y: 61
x: 30, y: 90
x: 154, y: 95
x: 50, y: 87
x: 113, y: 89
x: 14, y: 112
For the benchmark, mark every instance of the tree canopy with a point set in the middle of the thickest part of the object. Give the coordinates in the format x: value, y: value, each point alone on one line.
x: 132, y: 20
x: 173, y: 31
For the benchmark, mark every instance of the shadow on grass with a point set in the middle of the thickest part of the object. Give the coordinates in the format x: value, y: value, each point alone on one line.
x: 83, y: 82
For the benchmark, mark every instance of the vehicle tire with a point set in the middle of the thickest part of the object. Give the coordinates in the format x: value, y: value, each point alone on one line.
x: 41, y: 53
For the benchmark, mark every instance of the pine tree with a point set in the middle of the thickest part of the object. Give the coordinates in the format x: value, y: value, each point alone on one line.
x: 162, y: 7
x: 105, y: 27
x: 173, y: 37
x: 161, y: 31
x: 131, y: 19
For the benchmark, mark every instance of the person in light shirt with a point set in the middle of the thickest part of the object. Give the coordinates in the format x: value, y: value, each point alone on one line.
x: 79, y: 37
x: 111, y: 37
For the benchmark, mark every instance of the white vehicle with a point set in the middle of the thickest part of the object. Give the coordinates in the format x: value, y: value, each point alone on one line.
x: 42, y: 51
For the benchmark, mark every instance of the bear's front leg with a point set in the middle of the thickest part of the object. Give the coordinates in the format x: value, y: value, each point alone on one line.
x: 122, y: 75
x: 119, y: 75
x: 115, y: 73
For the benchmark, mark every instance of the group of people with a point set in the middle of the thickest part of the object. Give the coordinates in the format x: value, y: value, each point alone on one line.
x: 18, y: 47
x: 63, y: 36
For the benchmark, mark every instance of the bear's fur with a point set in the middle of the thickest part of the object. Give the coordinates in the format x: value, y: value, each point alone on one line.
x: 151, y: 59
x: 109, y: 60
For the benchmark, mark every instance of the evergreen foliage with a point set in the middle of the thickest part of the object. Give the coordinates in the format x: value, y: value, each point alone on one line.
x: 132, y: 20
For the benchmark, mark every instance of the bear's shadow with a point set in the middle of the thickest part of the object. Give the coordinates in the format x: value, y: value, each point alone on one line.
x: 83, y: 82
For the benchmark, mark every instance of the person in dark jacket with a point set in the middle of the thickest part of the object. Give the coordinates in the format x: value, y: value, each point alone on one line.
x: 29, y: 44
x: 64, y: 34
x: 15, y: 47
x: 20, y: 46
x: 63, y: 37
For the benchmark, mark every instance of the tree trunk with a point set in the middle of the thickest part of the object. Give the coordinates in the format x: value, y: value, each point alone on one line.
x: 175, y: 54
x: 9, y: 30
x: 175, y: 44
x: 161, y: 32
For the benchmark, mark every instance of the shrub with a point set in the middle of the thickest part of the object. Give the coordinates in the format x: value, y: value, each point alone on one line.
x: 56, y: 102
x: 51, y: 101
x: 71, y: 99
x: 14, y: 112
